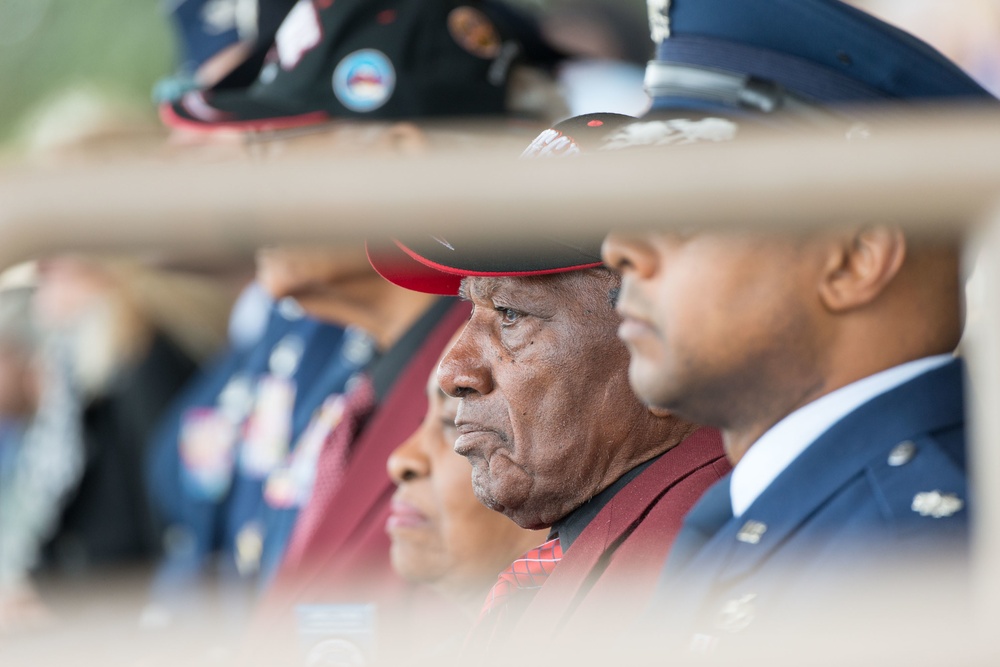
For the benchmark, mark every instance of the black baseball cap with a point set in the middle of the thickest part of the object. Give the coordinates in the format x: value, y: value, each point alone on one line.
x: 372, y: 59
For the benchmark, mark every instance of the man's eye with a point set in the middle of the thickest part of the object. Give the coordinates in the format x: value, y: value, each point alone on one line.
x: 508, y: 315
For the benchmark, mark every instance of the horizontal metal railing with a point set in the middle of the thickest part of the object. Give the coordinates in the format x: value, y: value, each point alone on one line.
x: 934, y: 172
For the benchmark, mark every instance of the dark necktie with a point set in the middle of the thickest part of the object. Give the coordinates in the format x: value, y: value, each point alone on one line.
x: 331, y: 467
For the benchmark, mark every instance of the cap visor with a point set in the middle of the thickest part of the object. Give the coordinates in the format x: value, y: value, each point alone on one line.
x: 224, y: 110
x: 436, y: 265
x: 399, y: 268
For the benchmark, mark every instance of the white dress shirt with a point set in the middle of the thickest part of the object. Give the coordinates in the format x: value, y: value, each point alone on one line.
x: 783, y: 442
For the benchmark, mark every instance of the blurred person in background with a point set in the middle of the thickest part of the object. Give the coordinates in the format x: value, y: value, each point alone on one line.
x: 442, y: 536
x: 113, y: 341
x: 128, y: 337
x: 36, y: 473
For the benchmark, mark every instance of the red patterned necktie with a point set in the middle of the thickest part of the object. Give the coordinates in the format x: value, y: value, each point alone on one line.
x: 527, y: 573
x: 331, y: 467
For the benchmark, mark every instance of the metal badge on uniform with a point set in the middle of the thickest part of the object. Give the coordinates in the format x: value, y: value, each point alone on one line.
x: 269, y: 428
x: 659, y: 19
x: 236, y: 398
x: 249, y: 548
x: 358, y: 346
x: 291, y: 484
x: 737, y: 614
x: 279, y: 489
x: 474, y: 32
x: 207, y: 452
x: 751, y: 532
x: 290, y: 309
x: 337, y: 634
x: 364, y: 80
x: 902, y: 454
x: 551, y: 143
x: 936, y: 504
x: 286, y: 355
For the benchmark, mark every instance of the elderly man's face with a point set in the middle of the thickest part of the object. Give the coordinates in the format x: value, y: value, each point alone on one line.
x: 716, y: 323
x: 546, y: 412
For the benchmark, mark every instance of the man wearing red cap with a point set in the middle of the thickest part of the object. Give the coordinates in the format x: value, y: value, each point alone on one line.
x: 557, y: 439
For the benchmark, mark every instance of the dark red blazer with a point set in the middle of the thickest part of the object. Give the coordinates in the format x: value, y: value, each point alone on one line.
x: 606, y: 579
x: 348, y: 558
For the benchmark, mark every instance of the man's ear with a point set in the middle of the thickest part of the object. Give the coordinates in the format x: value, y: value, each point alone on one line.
x: 860, y: 265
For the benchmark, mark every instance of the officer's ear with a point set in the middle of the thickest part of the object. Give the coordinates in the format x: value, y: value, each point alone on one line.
x: 860, y: 264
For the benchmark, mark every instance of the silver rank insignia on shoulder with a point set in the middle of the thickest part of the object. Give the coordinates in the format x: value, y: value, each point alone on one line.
x: 736, y: 615
x: 902, y: 454
x: 659, y: 19
x: 936, y: 504
x: 751, y: 532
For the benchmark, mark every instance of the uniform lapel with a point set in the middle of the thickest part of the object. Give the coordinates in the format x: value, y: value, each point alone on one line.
x: 930, y: 402
x: 580, y: 566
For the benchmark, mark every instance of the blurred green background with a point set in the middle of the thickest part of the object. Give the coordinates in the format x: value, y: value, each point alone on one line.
x: 50, y: 48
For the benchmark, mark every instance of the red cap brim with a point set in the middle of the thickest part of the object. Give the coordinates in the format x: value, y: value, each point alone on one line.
x: 195, y: 112
x: 397, y: 266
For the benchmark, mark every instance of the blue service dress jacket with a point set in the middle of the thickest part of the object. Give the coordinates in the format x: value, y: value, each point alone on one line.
x: 884, y: 486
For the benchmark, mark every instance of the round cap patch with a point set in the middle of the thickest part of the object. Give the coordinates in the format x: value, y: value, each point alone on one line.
x: 364, y: 80
x: 474, y: 32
